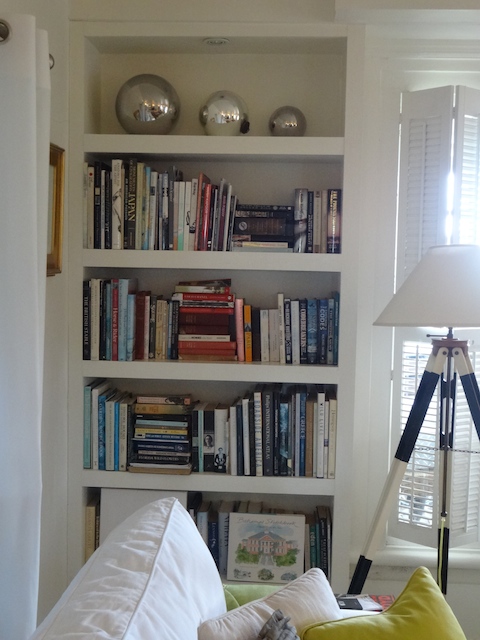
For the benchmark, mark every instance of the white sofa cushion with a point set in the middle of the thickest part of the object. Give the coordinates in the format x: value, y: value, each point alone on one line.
x: 153, y: 577
x: 306, y: 600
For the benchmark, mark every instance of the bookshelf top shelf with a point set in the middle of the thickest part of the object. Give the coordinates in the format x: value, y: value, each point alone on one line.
x: 325, y: 149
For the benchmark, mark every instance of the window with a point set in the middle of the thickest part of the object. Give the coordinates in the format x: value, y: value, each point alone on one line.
x: 439, y: 203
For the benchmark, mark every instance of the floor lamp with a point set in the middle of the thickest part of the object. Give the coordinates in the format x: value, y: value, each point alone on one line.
x: 442, y: 291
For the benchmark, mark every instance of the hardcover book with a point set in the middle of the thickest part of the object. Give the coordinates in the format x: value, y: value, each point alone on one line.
x: 265, y: 547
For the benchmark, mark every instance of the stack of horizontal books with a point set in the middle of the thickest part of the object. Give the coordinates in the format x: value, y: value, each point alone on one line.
x: 263, y: 227
x: 161, y: 435
x: 205, y: 320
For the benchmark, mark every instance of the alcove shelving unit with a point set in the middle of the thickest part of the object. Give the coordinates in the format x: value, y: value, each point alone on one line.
x: 313, y: 66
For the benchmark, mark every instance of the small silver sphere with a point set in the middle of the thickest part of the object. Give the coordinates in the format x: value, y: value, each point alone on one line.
x: 147, y: 104
x: 287, y: 121
x: 224, y: 114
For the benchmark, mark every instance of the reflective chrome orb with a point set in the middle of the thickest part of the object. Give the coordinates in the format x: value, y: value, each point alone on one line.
x: 147, y: 104
x: 224, y: 114
x: 287, y: 121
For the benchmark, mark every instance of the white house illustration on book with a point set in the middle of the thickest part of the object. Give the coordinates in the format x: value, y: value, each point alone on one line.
x: 267, y: 543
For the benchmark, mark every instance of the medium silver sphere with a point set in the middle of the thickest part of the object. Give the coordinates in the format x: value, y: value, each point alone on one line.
x: 147, y: 104
x: 287, y: 121
x: 224, y: 114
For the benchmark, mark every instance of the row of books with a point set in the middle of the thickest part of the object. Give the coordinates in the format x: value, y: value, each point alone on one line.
x: 273, y: 430
x: 205, y: 321
x: 130, y: 205
x: 123, y: 431
x: 251, y: 542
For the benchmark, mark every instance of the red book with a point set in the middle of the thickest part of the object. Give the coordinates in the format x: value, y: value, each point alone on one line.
x: 206, y: 352
x: 214, y: 297
x: 206, y: 311
x: 190, y: 317
x: 204, y: 329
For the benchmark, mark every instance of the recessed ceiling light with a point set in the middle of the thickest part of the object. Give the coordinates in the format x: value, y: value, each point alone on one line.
x: 216, y: 42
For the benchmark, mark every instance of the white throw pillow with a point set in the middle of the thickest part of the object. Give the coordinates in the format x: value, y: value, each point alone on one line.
x: 152, y: 578
x: 307, y: 599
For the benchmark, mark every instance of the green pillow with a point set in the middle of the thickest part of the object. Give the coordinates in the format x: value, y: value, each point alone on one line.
x: 238, y: 594
x: 420, y: 612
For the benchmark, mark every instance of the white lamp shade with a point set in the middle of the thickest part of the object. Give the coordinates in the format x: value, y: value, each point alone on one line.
x: 442, y: 291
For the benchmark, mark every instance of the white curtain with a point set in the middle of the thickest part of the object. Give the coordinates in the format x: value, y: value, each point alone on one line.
x: 24, y: 165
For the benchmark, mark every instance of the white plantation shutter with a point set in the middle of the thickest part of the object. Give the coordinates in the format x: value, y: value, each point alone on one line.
x: 466, y: 201
x: 437, y: 150
x: 425, y: 152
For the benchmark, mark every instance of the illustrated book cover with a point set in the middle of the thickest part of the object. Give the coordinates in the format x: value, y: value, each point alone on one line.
x: 265, y: 547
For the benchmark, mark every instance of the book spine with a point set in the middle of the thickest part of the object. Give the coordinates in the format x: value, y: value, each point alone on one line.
x: 257, y: 407
x: 334, y: 221
x: 267, y: 433
x: 232, y: 440
x: 220, y: 462
x: 86, y: 305
x: 301, y: 216
x: 310, y: 222
x: 312, y: 331
x: 87, y: 427
x: 264, y: 336
x: 247, y: 331
x: 240, y: 440
x: 240, y: 330
x: 130, y: 334
x: 209, y: 438
x: 303, y: 331
x: 288, y: 330
x: 130, y: 225
x: 295, y: 324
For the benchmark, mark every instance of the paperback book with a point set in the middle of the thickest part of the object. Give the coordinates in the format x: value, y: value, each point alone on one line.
x: 265, y: 547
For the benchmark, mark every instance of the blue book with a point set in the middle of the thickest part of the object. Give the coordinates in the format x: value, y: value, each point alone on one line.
x: 300, y: 429
x: 330, y: 330
x: 108, y: 320
x: 102, y: 400
x: 284, y: 451
x: 312, y: 331
x: 116, y: 436
x: 126, y: 286
x: 131, y: 307
x: 322, y: 330
x: 336, y: 323
x: 302, y: 305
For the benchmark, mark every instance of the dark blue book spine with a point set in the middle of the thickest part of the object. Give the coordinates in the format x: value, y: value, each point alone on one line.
x: 312, y: 331
x: 268, y: 435
x: 240, y: 451
x: 322, y: 330
x: 303, y: 331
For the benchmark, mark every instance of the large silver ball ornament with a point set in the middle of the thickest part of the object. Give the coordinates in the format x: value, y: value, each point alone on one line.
x: 224, y: 114
x: 287, y: 121
x: 147, y: 104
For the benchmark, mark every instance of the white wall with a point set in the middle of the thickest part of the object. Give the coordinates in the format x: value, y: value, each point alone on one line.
x: 52, y: 15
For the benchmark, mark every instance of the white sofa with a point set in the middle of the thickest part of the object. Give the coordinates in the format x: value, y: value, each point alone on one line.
x: 154, y: 578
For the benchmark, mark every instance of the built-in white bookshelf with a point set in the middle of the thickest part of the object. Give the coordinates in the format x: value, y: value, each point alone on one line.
x: 312, y: 66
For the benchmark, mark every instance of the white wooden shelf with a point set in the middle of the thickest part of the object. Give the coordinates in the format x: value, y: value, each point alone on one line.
x: 221, y: 371
x: 211, y: 482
